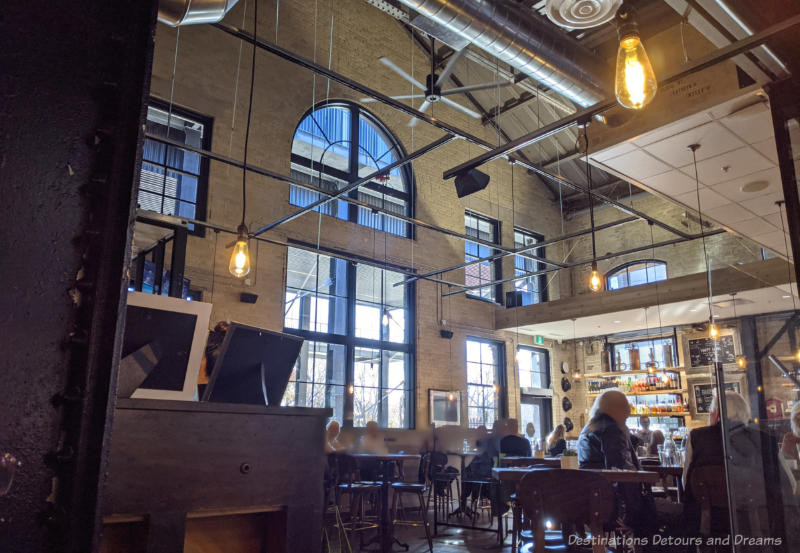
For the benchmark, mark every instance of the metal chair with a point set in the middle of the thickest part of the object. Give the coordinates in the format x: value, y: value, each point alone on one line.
x: 419, y: 490
x: 361, y: 493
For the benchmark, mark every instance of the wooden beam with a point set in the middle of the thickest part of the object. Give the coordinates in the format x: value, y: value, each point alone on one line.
x: 750, y: 276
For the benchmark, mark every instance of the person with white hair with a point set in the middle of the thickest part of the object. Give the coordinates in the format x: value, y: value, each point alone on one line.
x: 605, y: 443
x: 790, y: 444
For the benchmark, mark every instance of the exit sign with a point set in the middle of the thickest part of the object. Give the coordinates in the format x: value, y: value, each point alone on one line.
x: 538, y: 340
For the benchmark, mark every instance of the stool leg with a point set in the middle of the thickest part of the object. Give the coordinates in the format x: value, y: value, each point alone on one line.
x: 424, y: 516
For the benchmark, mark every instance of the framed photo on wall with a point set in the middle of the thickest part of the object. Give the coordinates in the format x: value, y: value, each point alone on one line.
x: 444, y: 407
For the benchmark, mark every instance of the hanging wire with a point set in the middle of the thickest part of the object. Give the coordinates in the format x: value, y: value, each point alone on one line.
x: 589, y: 187
x: 658, y: 298
x: 249, y: 110
x: 169, y: 113
x: 235, y: 92
x: 786, y: 245
x: 693, y: 149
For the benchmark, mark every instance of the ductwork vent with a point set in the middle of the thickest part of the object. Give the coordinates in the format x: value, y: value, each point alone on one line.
x: 193, y: 12
x: 581, y: 14
x: 526, y: 42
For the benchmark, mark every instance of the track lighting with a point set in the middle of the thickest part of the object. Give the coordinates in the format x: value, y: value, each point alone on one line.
x: 239, y: 265
x: 635, y: 83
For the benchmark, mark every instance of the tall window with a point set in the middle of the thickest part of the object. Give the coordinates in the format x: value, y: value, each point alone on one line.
x: 534, y: 367
x: 175, y: 181
x: 358, y: 333
x: 338, y: 143
x: 532, y: 288
x: 486, y: 271
x: 636, y: 273
x: 484, y: 381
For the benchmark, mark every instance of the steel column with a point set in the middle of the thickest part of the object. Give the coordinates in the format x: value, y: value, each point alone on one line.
x: 177, y: 262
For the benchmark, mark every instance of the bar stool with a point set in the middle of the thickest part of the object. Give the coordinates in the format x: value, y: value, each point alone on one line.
x: 442, y: 481
x: 361, y: 493
x: 418, y: 490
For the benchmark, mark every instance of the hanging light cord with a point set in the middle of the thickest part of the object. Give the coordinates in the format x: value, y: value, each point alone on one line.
x: 589, y: 187
x: 786, y: 245
x: 249, y: 109
x: 693, y: 149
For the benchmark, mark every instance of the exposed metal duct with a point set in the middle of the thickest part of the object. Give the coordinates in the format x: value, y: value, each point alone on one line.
x: 530, y: 45
x: 193, y: 12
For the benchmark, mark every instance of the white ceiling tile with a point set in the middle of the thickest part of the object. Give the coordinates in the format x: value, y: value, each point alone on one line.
x: 728, y: 166
x: 671, y: 183
x: 672, y: 129
x: 713, y: 138
x: 753, y: 123
x: 732, y: 189
x: 764, y: 204
x: 768, y: 149
x: 775, y: 242
x: 775, y: 220
x: 752, y: 227
x: 637, y: 165
x: 728, y: 214
x: 708, y: 199
x: 614, y: 151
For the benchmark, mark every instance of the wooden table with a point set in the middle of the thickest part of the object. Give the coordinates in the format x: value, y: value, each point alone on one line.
x: 385, y: 534
x: 549, y: 462
x: 514, y: 474
x: 674, y: 471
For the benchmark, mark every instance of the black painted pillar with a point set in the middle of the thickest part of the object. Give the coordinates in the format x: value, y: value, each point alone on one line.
x: 72, y: 87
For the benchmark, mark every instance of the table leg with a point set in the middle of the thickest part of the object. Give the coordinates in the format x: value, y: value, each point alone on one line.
x: 435, y: 508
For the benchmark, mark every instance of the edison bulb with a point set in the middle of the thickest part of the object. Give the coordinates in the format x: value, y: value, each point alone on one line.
x: 595, y: 282
x: 713, y: 331
x: 385, y: 318
x: 741, y: 362
x: 451, y: 396
x: 240, y: 258
x: 635, y: 83
x: 797, y: 355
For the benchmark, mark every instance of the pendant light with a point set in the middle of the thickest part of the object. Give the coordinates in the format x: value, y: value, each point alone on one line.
x: 239, y: 265
x: 576, y: 374
x: 780, y: 204
x: 635, y: 82
x: 713, y: 331
x: 595, y: 282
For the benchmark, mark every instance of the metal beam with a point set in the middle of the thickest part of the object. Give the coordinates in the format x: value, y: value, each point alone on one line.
x: 586, y: 262
x: 363, y: 89
x: 356, y: 183
x: 586, y: 114
x: 521, y: 251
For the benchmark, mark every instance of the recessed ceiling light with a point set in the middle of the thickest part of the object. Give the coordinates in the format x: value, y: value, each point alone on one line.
x: 693, y: 310
x: 617, y: 322
x: 753, y: 187
x: 786, y: 297
x: 715, y: 316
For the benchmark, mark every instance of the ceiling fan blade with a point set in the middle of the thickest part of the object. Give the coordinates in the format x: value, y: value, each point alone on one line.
x: 396, y: 68
x: 461, y: 108
x: 451, y: 63
x: 406, y: 97
x: 470, y: 88
x: 423, y: 108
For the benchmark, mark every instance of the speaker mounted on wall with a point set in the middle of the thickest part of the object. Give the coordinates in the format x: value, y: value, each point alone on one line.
x: 470, y: 182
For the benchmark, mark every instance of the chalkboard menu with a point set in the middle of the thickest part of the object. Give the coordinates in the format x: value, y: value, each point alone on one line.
x: 701, y: 351
x: 704, y: 393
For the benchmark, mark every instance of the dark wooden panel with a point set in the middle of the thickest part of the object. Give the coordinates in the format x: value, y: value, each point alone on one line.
x: 186, y: 457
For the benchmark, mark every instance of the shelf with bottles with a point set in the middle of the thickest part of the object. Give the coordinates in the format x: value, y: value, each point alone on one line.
x: 643, y: 383
x: 674, y: 407
x: 614, y: 374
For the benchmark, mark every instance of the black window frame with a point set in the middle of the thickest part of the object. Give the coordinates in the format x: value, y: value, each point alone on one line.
x: 501, y: 408
x: 201, y: 205
x: 497, y: 264
x: 539, y: 252
x: 626, y: 266
x: 547, y: 370
x: 350, y: 341
x: 356, y: 110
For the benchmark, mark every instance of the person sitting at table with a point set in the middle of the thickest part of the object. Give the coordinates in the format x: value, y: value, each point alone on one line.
x: 754, y: 463
x: 556, y: 443
x: 605, y: 443
x: 656, y: 440
x: 512, y: 443
x: 530, y: 433
x: 791, y: 440
x: 645, y: 435
x: 332, y: 444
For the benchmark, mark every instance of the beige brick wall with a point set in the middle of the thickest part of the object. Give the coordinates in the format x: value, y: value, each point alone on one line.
x: 205, y: 80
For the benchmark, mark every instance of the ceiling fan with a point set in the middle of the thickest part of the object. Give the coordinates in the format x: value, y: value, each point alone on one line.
x: 433, y: 85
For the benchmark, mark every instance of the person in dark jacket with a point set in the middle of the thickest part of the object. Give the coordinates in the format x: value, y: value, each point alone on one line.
x: 605, y: 443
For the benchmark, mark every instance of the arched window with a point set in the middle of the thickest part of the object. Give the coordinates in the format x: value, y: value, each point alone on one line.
x: 635, y: 273
x: 339, y: 142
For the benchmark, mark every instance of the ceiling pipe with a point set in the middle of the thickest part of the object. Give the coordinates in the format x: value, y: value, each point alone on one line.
x: 193, y: 12
x: 530, y: 45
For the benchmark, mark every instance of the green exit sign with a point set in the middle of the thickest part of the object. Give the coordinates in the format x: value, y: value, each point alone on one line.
x: 538, y: 340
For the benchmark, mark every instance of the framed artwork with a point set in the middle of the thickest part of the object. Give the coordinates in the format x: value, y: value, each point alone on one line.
x: 444, y: 407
